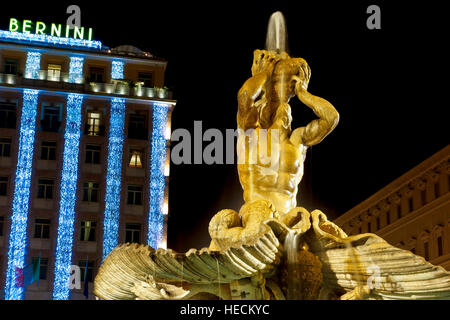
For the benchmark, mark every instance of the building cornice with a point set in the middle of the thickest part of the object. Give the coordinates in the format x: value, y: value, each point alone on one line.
x: 390, y: 193
x: 411, y: 218
x: 103, y: 55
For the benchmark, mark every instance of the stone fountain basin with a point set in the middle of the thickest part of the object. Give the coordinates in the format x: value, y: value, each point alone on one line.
x: 135, y: 271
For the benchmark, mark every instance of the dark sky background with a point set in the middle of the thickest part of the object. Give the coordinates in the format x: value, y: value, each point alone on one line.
x: 385, y: 84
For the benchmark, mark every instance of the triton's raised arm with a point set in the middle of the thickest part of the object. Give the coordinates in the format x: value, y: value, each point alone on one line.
x: 253, y: 94
x: 317, y: 129
x: 249, y: 95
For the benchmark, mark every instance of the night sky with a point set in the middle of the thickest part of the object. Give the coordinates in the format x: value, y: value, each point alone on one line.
x: 384, y: 83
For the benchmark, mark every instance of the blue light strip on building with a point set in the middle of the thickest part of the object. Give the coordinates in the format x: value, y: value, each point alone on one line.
x: 33, y: 65
x: 69, y: 178
x: 113, y: 176
x: 44, y: 39
x: 19, y: 217
x: 76, y: 70
x: 157, y: 179
x: 117, y: 70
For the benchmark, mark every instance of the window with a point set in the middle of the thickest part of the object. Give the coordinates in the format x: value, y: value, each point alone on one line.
x: 48, y: 150
x: 133, y: 232
x: 378, y: 223
x: 135, y: 195
x: 3, y: 186
x: 135, y: 158
x: 369, y: 227
x: 423, y: 194
x: 136, y: 128
x: 8, y: 113
x: 410, y: 201
x: 50, y: 119
x: 90, y: 192
x: 42, y: 228
x: 45, y: 188
x: 388, y: 218
x: 93, y: 123
x: 43, y: 267
x: 146, y: 78
x: 437, y: 189
x: 96, y: 74
x: 92, y: 154
x: 11, y: 66
x: 2, y: 223
x: 440, y: 246
x: 87, y: 232
x: 54, y: 72
x: 426, y: 250
x: 399, y: 211
x: 90, y: 269
x: 5, y: 147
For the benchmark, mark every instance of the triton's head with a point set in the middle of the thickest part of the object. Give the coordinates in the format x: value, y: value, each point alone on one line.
x: 296, y: 68
x: 265, y: 60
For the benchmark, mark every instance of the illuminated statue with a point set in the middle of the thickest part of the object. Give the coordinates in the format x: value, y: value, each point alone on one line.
x: 263, y: 104
x: 273, y: 249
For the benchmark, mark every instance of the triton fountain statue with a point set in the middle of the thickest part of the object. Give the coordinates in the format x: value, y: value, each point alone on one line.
x: 273, y: 249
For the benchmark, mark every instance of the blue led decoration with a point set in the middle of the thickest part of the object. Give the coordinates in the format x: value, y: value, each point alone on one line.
x: 69, y: 177
x: 113, y: 176
x: 33, y: 65
x: 157, y: 179
x: 44, y: 39
x: 117, y: 70
x: 19, y: 217
x: 76, y: 70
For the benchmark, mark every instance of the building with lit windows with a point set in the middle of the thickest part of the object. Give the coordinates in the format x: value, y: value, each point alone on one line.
x: 84, y: 157
x: 412, y: 212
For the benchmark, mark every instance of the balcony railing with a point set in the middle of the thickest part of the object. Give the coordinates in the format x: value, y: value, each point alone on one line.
x: 55, y: 76
x: 161, y: 93
x: 60, y: 80
x: 125, y: 89
x: 111, y: 88
x: 8, y: 78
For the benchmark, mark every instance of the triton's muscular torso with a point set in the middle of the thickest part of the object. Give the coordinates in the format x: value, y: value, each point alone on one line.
x: 263, y: 105
x: 279, y: 185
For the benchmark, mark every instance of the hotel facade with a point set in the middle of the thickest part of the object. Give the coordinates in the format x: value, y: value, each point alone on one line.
x: 412, y: 212
x: 84, y: 157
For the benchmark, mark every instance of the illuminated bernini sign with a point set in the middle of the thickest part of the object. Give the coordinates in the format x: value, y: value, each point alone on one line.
x: 55, y: 30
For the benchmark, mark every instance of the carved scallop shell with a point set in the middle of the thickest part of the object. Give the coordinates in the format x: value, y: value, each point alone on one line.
x: 127, y: 268
x: 368, y: 260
